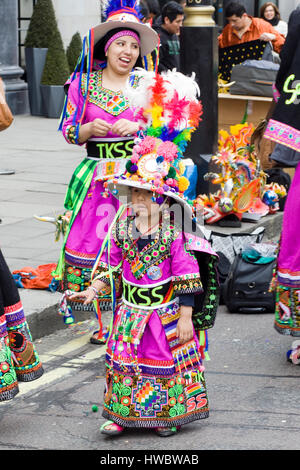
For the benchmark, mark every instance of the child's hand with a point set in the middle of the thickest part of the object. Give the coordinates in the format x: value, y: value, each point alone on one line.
x: 87, y: 295
x: 185, y: 330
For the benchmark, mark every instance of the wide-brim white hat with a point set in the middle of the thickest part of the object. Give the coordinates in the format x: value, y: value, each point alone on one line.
x: 148, y: 37
x: 186, y: 217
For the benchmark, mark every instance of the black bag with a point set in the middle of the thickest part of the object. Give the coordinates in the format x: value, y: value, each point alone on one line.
x: 246, y: 289
x: 254, y: 77
x: 227, y: 246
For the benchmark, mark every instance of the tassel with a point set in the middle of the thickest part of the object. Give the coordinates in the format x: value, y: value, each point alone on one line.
x: 65, y: 309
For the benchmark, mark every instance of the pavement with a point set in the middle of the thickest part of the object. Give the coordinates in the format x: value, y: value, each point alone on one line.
x: 43, y: 163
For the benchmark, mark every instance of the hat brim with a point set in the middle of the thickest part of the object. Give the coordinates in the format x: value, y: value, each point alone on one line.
x: 123, y: 187
x: 149, y: 38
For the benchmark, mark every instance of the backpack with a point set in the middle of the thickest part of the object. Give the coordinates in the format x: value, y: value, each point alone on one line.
x: 246, y: 289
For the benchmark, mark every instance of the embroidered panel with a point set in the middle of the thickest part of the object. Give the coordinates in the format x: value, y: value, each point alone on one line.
x: 149, y: 401
x: 152, y: 254
x: 283, y: 134
x: 287, y: 316
x: 110, y: 101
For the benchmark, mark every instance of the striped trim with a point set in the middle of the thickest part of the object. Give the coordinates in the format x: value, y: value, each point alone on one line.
x: 288, y: 278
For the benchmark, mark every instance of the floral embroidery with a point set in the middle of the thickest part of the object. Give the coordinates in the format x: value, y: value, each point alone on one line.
x: 153, y: 253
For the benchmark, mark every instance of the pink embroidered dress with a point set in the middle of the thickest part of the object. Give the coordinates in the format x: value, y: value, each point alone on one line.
x: 151, y: 379
x: 92, y: 210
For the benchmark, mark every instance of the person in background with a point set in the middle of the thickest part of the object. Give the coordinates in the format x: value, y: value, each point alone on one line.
x: 145, y: 12
x: 242, y: 28
x: 284, y: 129
x: 169, y: 51
x: 154, y: 9
x: 19, y: 361
x: 270, y: 13
x: 9, y: 119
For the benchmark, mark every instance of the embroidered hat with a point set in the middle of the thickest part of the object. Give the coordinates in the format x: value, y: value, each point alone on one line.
x: 168, y: 112
x: 121, y: 16
x: 126, y: 13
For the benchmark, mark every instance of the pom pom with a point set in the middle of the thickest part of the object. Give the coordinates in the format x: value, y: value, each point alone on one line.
x: 134, y: 158
x: 183, y: 184
x: 131, y: 168
x: 172, y: 173
x: 160, y: 159
x: 148, y: 145
x: 181, y: 166
x: 168, y: 151
x: 160, y: 200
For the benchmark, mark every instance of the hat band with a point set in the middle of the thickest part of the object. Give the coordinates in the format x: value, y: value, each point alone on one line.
x: 121, y: 34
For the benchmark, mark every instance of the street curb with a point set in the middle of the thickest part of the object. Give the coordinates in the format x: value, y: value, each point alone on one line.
x: 41, y: 307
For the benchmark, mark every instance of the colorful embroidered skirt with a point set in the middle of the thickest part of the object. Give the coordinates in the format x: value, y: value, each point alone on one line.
x: 152, y: 380
x: 19, y: 360
x: 287, y: 314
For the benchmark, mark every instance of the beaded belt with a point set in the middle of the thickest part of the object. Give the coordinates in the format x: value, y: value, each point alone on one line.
x: 148, y: 296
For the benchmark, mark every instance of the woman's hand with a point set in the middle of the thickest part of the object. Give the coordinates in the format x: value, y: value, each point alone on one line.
x: 123, y: 127
x: 185, y: 330
x: 98, y: 128
x: 87, y: 295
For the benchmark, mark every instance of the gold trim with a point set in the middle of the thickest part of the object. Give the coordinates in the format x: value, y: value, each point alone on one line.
x: 199, y: 16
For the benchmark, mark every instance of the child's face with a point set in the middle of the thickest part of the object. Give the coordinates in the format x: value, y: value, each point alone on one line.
x: 142, y: 203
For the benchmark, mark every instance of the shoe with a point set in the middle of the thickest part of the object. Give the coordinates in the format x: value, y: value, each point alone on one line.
x: 102, y: 340
x: 7, y: 172
x: 165, y: 431
x: 111, y: 429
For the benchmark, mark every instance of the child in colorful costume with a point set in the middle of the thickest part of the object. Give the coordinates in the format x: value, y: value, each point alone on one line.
x: 19, y: 361
x: 97, y: 114
x: 163, y: 279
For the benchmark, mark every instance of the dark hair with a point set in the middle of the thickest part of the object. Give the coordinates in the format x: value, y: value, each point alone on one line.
x: 171, y: 10
x: 153, y: 6
x: 144, y: 9
x: 269, y: 4
x: 234, y: 8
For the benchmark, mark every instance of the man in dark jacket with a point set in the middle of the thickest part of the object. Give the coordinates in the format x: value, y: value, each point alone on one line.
x: 169, y: 50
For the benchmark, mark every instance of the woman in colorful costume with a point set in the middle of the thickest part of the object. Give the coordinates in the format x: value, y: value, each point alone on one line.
x: 19, y: 361
x: 97, y: 114
x: 163, y: 280
x: 284, y: 128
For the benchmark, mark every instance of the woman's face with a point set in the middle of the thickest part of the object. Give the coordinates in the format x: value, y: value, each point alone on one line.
x: 142, y: 203
x: 269, y: 13
x: 122, y: 54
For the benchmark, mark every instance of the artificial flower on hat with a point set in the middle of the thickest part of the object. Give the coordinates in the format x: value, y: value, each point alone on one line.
x: 168, y: 112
